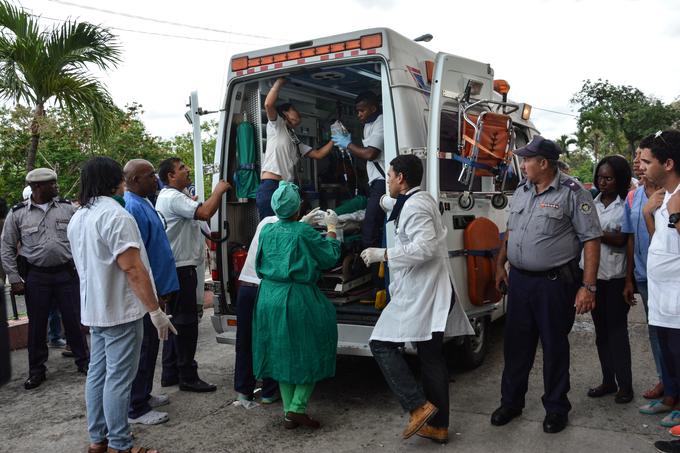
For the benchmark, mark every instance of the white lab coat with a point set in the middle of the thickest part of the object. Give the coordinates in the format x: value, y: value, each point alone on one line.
x: 420, y: 282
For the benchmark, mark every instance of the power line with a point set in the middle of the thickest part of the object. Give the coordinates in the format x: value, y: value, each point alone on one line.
x: 555, y: 112
x: 161, y: 21
x: 167, y: 35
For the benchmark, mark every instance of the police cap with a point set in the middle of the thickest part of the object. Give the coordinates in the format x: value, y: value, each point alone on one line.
x: 540, y: 146
x: 41, y: 175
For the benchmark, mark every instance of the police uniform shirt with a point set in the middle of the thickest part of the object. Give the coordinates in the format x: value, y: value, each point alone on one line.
x: 546, y: 230
x: 374, y: 137
x: 282, y: 151
x: 184, y: 231
x: 41, y: 233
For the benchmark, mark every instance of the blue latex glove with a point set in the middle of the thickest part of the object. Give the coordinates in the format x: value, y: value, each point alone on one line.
x: 342, y: 140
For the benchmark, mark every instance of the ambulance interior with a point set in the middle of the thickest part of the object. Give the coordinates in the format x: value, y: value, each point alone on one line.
x: 323, y: 95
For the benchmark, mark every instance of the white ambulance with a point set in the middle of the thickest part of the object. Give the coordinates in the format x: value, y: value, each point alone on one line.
x: 447, y: 110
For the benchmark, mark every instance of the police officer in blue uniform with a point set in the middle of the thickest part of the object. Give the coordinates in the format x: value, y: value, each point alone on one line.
x: 552, y: 218
x: 43, y: 268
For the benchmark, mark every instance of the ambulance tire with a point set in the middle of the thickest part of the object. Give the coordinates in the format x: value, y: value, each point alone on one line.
x: 474, y: 347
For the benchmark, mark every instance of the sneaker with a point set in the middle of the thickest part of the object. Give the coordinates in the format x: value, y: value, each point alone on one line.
x: 671, y: 420
x: 675, y: 431
x: 655, y: 407
x: 159, y: 400
x: 665, y: 446
x: 58, y: 344
x: 244, y: 397
x: 150, y: 418
x: 270, y: 399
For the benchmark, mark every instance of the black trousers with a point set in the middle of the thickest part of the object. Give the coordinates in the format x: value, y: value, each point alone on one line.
x: 244, y: 380
x: 374, y: 220
x: 538, y: 308
x: 610, y: 317
x: 179, y: 350
x: 42, y: 290
x: 669, y: 341
x: 434, y: 375
x: 143, y: 383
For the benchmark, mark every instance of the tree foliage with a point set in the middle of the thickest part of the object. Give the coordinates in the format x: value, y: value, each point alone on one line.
x: 39, y: 66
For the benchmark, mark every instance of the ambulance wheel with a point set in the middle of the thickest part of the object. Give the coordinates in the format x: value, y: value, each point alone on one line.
x: 499, y: 201
x: 466, y: 201
x: 475, y: 346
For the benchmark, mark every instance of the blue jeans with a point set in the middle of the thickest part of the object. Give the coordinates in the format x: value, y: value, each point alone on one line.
x: 263, y: 197
x: 669, y: 386
x: 113, y: 365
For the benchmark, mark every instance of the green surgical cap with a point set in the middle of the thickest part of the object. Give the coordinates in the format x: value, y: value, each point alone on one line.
x: 286, y: 200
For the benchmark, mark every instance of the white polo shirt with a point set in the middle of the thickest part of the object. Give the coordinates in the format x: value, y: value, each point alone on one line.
x: 375, y: 137
x: 612, y: 259
x: 248, y: 273
x: 184, y: 232
x: 663, y: 271
x: 98, y: 234
x: 282, y: 153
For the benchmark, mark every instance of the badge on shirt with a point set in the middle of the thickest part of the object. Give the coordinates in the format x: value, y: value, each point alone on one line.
x: 550, y: 205
x: 585, y: 208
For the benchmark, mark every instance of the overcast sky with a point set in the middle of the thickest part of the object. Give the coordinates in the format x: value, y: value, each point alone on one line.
x: 544, y: 48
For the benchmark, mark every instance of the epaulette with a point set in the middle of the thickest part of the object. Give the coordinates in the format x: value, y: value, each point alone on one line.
x: 572, y: 184
x: 19, y: 206
x: 63, y: 200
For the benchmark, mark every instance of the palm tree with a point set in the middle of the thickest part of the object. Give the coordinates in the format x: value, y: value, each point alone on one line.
x: 38, y: 66
x: 564, y: 142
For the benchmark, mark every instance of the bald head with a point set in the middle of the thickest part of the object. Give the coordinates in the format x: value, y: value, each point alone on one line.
x: 140, y: 177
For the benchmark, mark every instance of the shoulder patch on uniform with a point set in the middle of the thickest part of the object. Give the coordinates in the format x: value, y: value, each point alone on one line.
x: 18, y: 206
x: 571, y: 184
x: 586, y: 208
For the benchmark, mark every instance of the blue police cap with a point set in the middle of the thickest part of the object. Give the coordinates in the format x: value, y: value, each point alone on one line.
x: 540, y: 146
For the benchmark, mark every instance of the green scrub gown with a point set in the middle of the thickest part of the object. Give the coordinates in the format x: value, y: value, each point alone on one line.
x: 295, y: 333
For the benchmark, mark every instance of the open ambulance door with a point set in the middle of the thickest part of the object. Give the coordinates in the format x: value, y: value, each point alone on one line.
x: 452, y: 78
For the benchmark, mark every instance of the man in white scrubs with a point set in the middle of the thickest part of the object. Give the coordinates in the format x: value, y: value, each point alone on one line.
x: 419, y: 259
x: 661, y: 165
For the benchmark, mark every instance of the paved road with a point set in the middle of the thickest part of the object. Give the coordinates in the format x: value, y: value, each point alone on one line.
x: 357, y: 410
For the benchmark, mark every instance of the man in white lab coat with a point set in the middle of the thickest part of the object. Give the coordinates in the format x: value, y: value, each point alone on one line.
x: 421, y: 309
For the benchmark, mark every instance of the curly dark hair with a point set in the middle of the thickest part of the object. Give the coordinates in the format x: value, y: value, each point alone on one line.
x: 622, y: 173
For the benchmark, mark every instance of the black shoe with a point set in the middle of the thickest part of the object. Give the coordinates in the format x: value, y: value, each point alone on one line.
x: 197, y: 386
x: 554, y: 423
x: 169, y: 382
x: 34, y: 381
x: 503, y: 415
x: 83, y: 369
x: 667, y: 446
x: 601, y: 390
x: 624, y: 397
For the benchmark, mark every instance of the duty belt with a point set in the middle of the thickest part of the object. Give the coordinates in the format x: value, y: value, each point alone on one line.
x: 67, y: 266
x: 565, y: 270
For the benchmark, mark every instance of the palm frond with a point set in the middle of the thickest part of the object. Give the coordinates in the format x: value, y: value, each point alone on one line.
x: 77, y: 44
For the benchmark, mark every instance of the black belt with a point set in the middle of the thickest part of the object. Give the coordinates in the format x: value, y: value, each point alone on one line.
x: 67, y: 266
x: 552, y: 274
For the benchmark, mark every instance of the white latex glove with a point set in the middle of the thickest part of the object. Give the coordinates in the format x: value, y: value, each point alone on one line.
x: 309, y: 217
x: 162, y: 323
x: 330, y: 218
x: 373, y: 255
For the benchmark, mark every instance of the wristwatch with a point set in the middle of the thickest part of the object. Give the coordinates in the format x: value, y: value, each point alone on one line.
x: 590, y: 288
x: 673, y: 219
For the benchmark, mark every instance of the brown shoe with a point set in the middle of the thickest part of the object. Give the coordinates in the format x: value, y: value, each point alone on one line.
x: 439, y: 435
x: 418, y: 418
x: 303, y: 419
x: 655, y: 392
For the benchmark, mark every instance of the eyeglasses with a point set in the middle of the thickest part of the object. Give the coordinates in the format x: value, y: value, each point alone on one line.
x: 605, y: 178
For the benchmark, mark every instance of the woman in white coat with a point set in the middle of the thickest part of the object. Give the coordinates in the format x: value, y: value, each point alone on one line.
x: 420, y: 310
